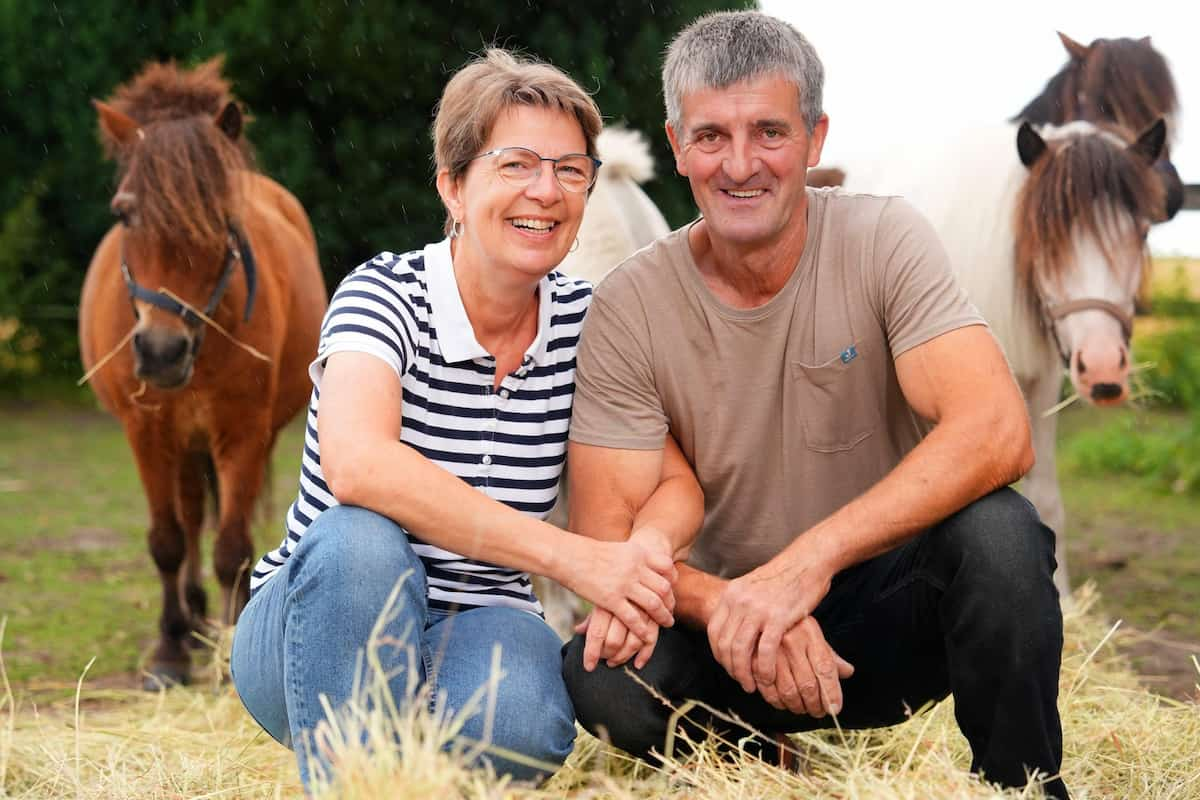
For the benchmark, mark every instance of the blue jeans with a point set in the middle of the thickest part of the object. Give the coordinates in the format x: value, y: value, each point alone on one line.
x: 302, y: 635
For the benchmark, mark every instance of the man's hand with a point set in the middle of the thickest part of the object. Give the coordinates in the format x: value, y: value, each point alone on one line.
x: 757, y: 609
x: 608, y: 640
x: 808, y: 674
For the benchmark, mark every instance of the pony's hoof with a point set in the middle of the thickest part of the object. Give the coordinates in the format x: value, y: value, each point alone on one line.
x: 164, y: 676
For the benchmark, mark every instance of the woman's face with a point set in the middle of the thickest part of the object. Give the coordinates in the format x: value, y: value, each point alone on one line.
x: 523, y: 229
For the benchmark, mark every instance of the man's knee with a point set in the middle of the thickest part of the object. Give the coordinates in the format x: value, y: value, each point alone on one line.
x: 614, y: 707
x: 999, y: 539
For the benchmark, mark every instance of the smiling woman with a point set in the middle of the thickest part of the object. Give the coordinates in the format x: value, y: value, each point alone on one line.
x: 436, y: 435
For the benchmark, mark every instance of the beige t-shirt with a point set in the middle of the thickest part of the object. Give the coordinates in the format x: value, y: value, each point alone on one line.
x: 786, y: 411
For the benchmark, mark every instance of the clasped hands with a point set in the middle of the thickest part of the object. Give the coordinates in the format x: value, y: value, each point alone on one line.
x: 760, y: 630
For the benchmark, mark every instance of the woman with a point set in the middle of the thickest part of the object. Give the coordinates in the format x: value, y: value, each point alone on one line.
x: 436, y: 436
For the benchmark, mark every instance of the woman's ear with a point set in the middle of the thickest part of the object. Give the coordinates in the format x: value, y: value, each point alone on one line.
x: 450, y: 191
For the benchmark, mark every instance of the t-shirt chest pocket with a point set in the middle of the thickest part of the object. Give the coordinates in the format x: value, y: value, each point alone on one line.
x: 839, y: 403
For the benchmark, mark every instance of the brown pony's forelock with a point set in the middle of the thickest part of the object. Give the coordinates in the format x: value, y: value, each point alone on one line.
x: 1078, y: 185
x: 185, y: 171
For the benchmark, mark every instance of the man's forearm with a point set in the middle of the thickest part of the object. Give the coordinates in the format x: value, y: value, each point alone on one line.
x: 676, y: 510
x: 696, y: 595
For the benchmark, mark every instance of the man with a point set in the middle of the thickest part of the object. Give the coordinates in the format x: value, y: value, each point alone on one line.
x: 852, y: 423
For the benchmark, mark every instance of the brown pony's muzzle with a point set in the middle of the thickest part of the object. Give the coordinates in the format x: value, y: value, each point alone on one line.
x: 163, y: 357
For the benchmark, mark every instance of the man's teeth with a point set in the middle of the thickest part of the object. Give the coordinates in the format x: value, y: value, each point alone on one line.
x: 534, y: 224
x: 751, y: 193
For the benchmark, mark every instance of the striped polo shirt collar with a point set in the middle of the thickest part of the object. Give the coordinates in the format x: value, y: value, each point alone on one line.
x: 455, y: 337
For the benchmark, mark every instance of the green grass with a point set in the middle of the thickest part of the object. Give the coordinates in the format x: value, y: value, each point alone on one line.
x: 76, y: 579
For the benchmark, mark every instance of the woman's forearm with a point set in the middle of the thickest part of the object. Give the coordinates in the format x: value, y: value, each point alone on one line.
x: 393, y: 479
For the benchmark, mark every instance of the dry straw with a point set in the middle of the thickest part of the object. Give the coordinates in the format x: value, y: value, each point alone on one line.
x: 1121, y: 742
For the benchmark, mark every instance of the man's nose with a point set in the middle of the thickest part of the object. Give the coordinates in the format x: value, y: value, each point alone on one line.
x: 741, y: 162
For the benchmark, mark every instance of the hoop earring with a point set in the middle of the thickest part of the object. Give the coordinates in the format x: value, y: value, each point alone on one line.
x: 456, y: 229
x: 575, y: 246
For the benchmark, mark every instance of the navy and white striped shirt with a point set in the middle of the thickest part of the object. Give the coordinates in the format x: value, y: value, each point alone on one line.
x: 509, y: 443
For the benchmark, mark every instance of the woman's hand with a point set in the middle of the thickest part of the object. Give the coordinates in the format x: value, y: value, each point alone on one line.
x: 631, y: 580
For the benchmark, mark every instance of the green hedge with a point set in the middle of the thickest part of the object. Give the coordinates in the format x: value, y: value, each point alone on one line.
x: 341, y: 92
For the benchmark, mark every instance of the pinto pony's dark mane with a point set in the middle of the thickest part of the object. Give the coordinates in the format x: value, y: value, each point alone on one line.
x: 184, y: 170
x: 1125, y: 81
x: 1081, y: 185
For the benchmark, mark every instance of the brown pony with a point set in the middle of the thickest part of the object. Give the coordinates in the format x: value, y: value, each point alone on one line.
x: 1122, y: 81
x: 202, y: 242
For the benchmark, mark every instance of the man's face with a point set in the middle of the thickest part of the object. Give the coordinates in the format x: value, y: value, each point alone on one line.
x: 745, y: 151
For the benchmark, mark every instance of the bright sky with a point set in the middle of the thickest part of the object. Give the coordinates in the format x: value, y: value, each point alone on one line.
x: 945, y: 64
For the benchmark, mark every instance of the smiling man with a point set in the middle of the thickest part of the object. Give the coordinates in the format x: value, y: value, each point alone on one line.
x: 854, y: 427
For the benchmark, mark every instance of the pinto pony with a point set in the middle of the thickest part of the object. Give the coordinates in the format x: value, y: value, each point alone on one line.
x: 1047, y: 233
x: 200, y: 311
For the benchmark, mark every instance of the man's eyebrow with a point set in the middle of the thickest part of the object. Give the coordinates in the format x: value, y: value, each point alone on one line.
x: 772, y: 123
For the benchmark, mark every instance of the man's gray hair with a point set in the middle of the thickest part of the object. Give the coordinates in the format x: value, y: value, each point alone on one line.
x: 728, y: 47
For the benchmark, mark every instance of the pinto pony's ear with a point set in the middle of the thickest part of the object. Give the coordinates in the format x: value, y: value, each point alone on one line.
x: 1149, y: 145
x: 1077, y: 51
x: 1030, y: 145
x: 230, y: 121
x: 118, y: 129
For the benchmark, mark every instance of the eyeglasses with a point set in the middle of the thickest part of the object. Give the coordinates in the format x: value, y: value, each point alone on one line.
x: 520, y: 166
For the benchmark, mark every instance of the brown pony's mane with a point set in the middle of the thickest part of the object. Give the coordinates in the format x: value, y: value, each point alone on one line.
x: 1080, y: 184
x: 1125, y: 81
x: 184, y: 170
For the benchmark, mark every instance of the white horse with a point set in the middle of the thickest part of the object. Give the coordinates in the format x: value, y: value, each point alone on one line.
x: 1047, y: 234
x: 619, y: 220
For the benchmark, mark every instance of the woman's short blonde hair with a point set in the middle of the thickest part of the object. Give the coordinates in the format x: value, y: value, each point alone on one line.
x: 489, y: 85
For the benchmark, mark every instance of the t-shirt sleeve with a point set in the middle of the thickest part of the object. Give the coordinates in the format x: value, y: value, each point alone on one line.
x: 616, y: 402
x: 917, y: 296
x: 369, y: 313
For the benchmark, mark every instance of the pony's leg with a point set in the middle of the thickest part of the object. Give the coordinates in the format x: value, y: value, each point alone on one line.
x: 190, y: 496
x: 158, y: 465
x: 240, y: 459
x: 1041, y: 484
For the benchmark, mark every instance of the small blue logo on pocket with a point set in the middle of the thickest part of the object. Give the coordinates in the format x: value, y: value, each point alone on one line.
x: 849, y: 354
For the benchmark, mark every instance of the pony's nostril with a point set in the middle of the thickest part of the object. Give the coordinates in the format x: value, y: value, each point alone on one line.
x: 175, y: 350
x: 1123, y: 361
x: 1106, y: 391
x: 1082, y: 366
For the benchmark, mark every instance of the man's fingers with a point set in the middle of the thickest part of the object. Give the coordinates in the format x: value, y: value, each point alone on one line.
x: 825, y: 668
x: 646, y: 650
x: 766, y: 655
x: 596, y: 633
x: 741, y: 653
x: 845, y: 668
x: 785, y: 685
x: 614, y: 641
x: 772, y: 696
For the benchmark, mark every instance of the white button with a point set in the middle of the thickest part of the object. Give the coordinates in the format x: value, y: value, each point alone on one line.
x: 504, y: 394
x: 486, y: 459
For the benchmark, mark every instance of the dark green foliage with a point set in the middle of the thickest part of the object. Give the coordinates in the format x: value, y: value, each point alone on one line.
x: 341, y: 92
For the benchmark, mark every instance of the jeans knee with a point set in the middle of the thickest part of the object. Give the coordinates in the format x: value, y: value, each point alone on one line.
x: 361, y: 555
x: 1001, y: 538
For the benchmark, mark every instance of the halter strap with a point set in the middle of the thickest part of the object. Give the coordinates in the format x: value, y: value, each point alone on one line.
x: 237, y: 249
x: 1055, y: 313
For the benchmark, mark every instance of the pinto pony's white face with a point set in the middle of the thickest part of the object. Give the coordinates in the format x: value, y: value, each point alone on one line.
x: 1081, y: 222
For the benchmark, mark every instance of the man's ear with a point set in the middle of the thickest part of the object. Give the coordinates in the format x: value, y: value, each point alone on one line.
x: 450, y: 190
x: 816, y: 140
x: 677, y: 149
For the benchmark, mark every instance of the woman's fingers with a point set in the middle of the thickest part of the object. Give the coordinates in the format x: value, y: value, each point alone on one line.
x: 653, y: 605
x: 657, y: 584
x: 597, y: 631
